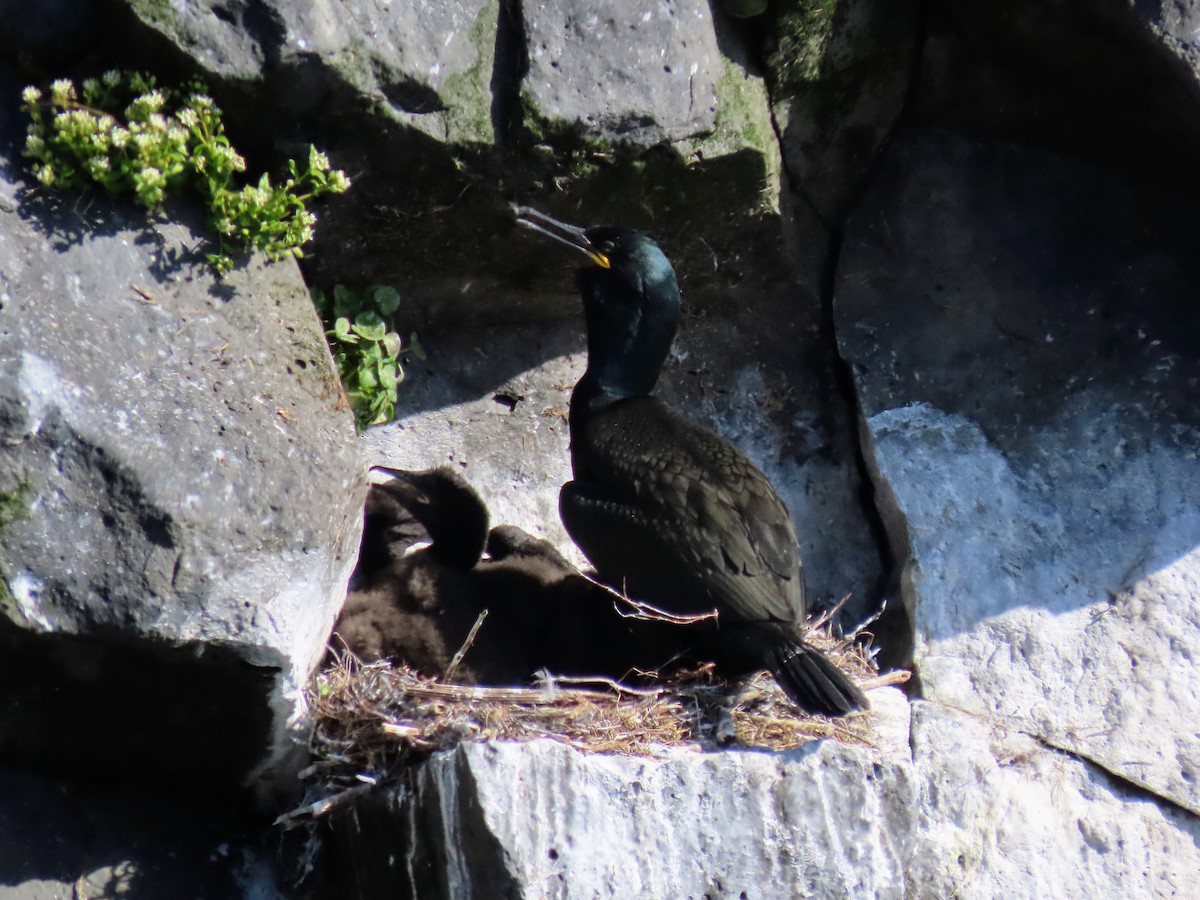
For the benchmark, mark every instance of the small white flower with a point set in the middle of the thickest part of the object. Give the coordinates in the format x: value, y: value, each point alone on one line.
x: 317, y: 161
x: 253, y: 197
x: 31, y: 95
x: 150, y: 177
x: 62, y: 92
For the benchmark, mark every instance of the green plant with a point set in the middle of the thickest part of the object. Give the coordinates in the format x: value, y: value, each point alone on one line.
x: 366, y: 352
x: 14, y: 504
x: 122, y: 132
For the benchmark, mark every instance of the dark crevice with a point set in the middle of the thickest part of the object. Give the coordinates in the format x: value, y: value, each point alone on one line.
x: 411, y: 96
x: 1118, y: 780
x: 509, y: 68
x: 264, y: 25
x: 893, y: 629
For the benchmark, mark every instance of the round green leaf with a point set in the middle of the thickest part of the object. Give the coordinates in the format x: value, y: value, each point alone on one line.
x: 386, y: 299
x: 369, y: 325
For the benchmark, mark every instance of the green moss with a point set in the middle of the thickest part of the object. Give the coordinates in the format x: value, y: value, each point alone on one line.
x: 743, y: 122
x: 804, y: 28
x: 14, y: 505
x: 468, y: 113
x: 8, y: 603
x: 157, y: 12
x: 742, y: 109
x: 357, y: 64
x: 571, y: 155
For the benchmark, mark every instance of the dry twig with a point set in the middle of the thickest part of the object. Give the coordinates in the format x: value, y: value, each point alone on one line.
x: 375, y: 718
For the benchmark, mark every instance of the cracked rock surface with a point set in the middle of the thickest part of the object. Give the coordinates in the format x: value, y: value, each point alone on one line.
x: 944, y: 804
x: 171, y: 560
x: 1047, y: 519
x: 939, y: 270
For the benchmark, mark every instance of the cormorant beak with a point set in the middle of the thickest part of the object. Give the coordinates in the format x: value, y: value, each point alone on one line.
x: 385, y: 475
x: 572, y: 235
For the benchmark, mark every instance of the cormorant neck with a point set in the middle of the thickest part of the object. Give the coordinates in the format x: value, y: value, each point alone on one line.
x: 462, y: 549
x: 630, y: 328
x: 457, y: 521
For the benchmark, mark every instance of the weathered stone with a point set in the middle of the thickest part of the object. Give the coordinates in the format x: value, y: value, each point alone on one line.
x: 53, y: 29
x: 1032, y: 429
x: 486, y: 402
x: 541, y: 819
x: 642, y: 75
x: 951, y: 805
x: 428, y: 64
x: 1002, y: 815
x: 638, y: 73
x: 1158, y: 41
x: 841, y: 73
x: 181, y: 496
x: 1094, y: 79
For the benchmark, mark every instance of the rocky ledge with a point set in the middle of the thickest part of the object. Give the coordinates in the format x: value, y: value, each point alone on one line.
x: 939, y: 271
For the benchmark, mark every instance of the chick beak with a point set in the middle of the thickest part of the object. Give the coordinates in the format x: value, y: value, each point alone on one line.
x: 571, y: 235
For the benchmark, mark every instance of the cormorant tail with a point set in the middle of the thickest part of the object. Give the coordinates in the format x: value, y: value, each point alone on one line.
x: 812, y: 681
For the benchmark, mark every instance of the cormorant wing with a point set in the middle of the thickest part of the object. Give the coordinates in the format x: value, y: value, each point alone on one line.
x: 687, y: 486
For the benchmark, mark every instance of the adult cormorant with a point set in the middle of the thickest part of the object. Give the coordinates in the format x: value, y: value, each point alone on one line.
x: 664, y: 508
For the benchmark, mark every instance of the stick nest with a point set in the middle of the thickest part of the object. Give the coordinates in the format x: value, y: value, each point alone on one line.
x: 373, y: 719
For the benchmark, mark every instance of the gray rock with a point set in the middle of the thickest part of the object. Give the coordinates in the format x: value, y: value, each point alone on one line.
x: 544, y: 820
x: 56, y: 28
x: 1024, y: 337
x: 182, y: 497
x: 1002, y: 815
x: 484, y: 402
x: 638, y: 73
x: 842, y: 72
x: 1092, y: 79
x: 954, y: 805
x: 428, y: 64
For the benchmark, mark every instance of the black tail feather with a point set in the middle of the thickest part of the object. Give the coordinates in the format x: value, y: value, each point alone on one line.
x: 812, y: 681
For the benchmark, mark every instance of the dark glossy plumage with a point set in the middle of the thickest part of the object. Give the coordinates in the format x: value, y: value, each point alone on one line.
x: 663, y: 507
x: 416, y: 608
x: 542, y: 612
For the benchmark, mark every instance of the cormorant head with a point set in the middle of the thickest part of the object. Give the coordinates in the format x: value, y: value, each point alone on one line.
x: 442, y: 501
x: 630, y: 298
